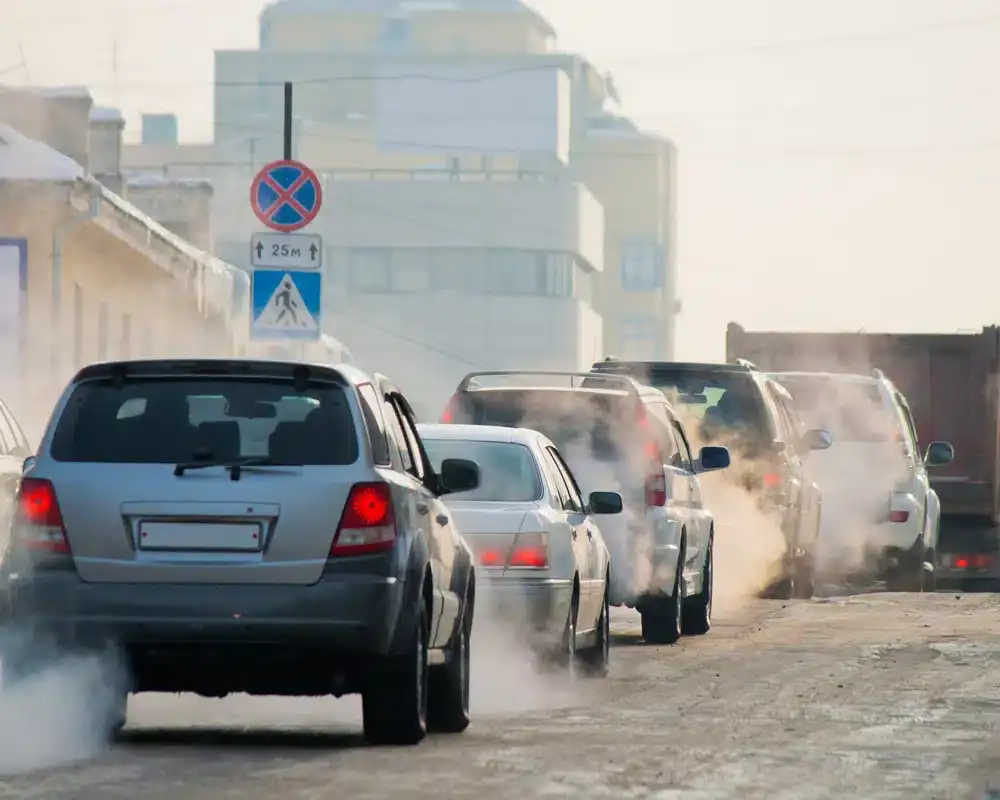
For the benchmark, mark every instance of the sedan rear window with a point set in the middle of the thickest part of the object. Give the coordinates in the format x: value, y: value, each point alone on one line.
x: 507, y: 470
x: 178, y: 420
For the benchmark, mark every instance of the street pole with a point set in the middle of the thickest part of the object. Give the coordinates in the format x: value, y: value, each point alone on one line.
x: 288, y: 120
x: 288, y: 157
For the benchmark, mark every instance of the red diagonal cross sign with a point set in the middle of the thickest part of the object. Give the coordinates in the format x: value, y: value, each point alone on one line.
x: 286, y: 195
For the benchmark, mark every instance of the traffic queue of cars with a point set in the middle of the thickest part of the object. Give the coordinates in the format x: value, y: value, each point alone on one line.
x: 282, y: 528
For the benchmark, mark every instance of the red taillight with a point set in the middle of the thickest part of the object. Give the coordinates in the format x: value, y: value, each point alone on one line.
x: 368, y: 524
x: 39, y: 523
x: 772, y: 480
x: 656, y: 479
x: 656, y: 489
x: 899, y: 516
x: 448, y: 415
x: 978, y: 561
x: 530, y: 551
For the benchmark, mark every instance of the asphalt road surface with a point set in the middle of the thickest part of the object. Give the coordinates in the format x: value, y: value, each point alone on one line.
x: 873, y: 696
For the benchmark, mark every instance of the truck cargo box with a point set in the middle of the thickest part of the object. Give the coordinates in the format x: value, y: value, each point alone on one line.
x: 949, y: 380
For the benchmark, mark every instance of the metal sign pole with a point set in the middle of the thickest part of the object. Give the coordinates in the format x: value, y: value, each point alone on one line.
x: 288, y: 120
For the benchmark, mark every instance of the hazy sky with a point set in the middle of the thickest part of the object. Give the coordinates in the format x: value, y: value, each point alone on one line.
x: 840, y: 159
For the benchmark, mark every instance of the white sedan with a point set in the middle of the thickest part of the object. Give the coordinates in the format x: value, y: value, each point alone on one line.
x: 538, y: 547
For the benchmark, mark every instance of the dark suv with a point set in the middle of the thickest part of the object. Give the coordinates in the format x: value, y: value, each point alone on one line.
x: 742, y: 408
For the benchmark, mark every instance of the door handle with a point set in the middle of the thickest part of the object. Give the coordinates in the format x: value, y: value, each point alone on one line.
x: 442, y: 519
x: 574, y: 532
x: 423, y: 508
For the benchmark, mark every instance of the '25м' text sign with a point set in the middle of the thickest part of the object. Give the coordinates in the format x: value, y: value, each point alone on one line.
x: 286, y: 251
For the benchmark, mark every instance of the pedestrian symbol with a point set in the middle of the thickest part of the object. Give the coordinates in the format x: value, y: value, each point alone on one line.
x: 286, y: 304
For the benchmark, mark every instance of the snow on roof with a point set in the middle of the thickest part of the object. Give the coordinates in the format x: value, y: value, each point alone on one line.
x: 106, y: 114
x: 154, y: 180
x: 59, y: 91
x: 220, y: 278
x: 24, y: 159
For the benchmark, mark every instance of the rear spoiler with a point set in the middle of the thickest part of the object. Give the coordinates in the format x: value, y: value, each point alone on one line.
x: 623, y: 382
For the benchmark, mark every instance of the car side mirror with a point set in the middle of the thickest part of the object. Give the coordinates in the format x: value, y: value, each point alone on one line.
x: 712, y: 458
x: 605, y: 503
x: 29, y: 462
x: 458, y: 475
x: 817, y: 439
x: 939, y: 454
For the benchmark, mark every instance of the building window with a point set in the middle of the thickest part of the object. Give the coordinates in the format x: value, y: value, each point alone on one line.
x: 410, y: 270
x: 557, y: 277
x: 640, y: 338
x: 513, y: 272
x: 458, y: 270
x: 396, y: 33
x: 641, y: 266
x: 370, y: 270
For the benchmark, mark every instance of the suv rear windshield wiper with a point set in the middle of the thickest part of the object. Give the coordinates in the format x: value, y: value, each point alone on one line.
x: 235, y: 466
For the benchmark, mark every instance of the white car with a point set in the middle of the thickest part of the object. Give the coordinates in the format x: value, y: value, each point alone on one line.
x: 879, y: 508
x: 538, y: 548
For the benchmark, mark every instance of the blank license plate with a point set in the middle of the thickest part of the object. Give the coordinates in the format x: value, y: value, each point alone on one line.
x: 198, y: 536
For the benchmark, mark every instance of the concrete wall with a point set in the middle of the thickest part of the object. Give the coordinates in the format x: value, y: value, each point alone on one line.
x: 559, y: 216
x: 634, y: 178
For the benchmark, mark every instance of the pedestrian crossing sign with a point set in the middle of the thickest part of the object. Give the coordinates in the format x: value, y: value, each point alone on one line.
x: 286, y: 304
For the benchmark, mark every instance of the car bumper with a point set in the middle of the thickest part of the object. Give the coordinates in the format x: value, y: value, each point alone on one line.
x: 532, y: 605
x: 353, y: 613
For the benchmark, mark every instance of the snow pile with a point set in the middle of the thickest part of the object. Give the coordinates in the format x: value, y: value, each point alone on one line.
x: 24, y: 159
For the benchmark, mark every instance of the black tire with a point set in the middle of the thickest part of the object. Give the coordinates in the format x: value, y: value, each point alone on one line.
x: 803, y: 580
x: 696, y: 613
x: 662, y: 616
x: 908, y: 575
x: 566, y: 655
x: 394, y: 704
x: 448, y: 684
x: 595, y: 661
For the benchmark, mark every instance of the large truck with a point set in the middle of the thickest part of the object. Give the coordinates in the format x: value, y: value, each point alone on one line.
x: 951, y: 384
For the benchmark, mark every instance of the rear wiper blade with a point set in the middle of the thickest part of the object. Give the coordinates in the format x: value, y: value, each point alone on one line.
x: 234, y: 466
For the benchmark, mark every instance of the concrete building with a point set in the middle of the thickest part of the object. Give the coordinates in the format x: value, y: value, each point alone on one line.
x: 87, y: 276
x: 472, y: 208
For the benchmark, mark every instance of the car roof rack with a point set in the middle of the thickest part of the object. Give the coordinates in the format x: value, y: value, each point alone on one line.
x: 743, y: 362
x: 472, y: 382
x: 878, y: 374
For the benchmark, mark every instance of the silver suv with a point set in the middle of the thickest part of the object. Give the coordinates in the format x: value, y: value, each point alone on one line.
x: 248, y: 526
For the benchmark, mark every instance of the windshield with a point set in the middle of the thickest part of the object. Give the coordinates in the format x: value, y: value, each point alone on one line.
x: 851, y: 411
x: 507, y: 469
x: 597, y: 423
x: 717, y: 406
x: 177, y: 420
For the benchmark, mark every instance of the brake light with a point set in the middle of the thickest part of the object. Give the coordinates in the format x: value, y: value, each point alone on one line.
x: 368, y: 524
x: 656, y: 479
x: 979, y: 561
x: 530, y: 551
x: 448, y: 415
x: 772, y: 480
x: 38, y: 523
x: 899, y: 516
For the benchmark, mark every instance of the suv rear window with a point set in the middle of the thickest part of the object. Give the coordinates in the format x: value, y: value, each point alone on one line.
x: 716, y: 404
x: 849, y: 410
x: 176, y: 420
x: 603, y: 422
